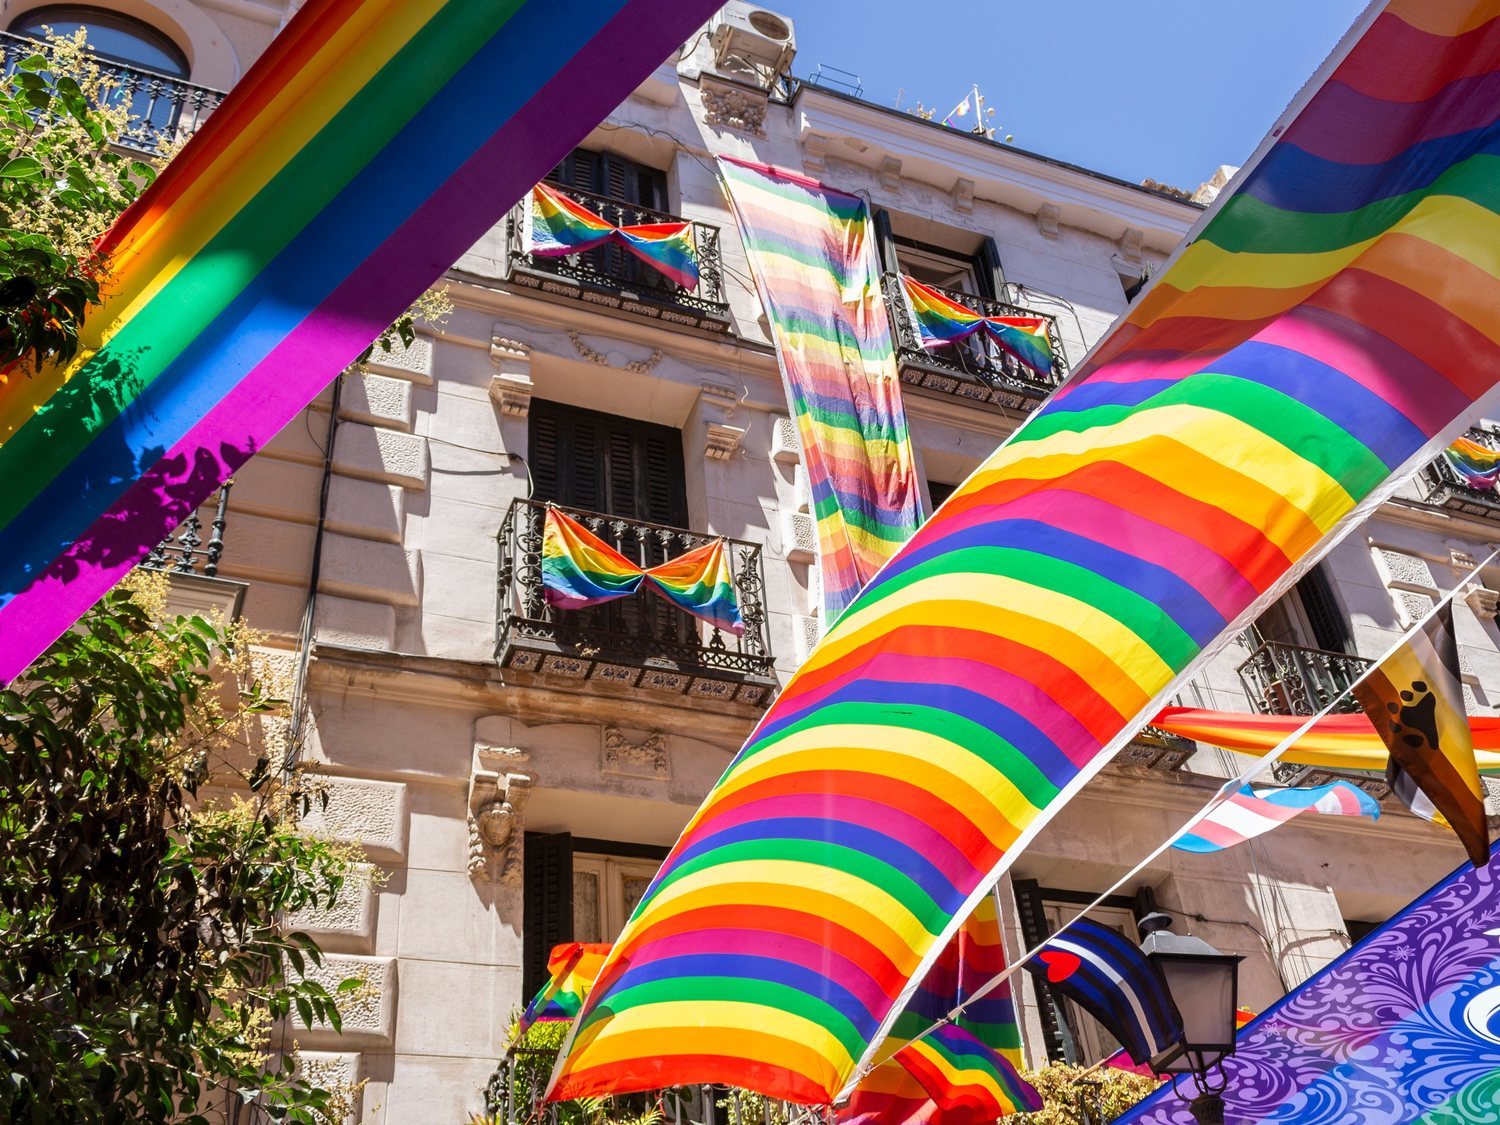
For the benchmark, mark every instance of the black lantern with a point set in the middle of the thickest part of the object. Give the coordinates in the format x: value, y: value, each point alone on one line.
x: 1204, y: 985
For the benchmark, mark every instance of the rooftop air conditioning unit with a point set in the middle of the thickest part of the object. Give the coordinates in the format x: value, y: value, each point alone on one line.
x: 747, y: 37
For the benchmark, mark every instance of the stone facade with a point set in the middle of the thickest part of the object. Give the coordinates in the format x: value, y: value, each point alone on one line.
x: 454, y: 772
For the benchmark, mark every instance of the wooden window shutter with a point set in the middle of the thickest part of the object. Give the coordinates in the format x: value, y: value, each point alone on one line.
x: 1056, y: 1034
x: 547, y: 905
x: 989, y: 274
x: 1330, y: 627
x: 885, y: 241
x: 607, y: 464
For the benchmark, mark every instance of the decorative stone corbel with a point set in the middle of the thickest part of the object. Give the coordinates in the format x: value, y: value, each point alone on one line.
x: 1048, y: 215
x: 815, y: 152
x: 1484, y: 602
x: 963, y: 197
x: 497, y: 805
x: 511, y: 385
x: 647, y: 758
x: 1130, y: 244
x: 890, y: 174
x: 716, y: 405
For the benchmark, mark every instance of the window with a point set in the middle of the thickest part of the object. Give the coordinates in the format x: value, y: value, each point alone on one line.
x: 633, y: 193
x: 127, y: 42
x: 607, y: 464
x: 111, y: 36
x: 578, y: 889
x: 979, y: 274
x: 1072, y: 1035
x: 1308, y: 615
x: 938, y: 492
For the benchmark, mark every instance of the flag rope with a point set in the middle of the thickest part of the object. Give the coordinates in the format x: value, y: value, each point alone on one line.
x: 1230, y: 786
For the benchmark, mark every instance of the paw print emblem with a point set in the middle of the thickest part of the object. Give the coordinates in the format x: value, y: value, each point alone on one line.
x: 1414, y: 720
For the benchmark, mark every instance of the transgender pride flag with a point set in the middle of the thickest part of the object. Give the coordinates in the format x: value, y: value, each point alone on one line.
x: 1252, y: 812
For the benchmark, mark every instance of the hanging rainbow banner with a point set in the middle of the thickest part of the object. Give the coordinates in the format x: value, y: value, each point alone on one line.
x: 1478, y: 466
x: 1403, y: 1029
x: 1325, y: 331
x: 557, y: 226
x: 812, y: 253
x: 1341, y: 742
x: 371, y: 145
x: 579, y: 570
x: 942, y: 322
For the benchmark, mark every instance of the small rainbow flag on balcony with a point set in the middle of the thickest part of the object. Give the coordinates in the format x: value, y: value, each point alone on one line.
x: 1478, y: 466
x: 579, y: 570
x: 571, y: 970
x: 942, y: 321
x: 557, y: 226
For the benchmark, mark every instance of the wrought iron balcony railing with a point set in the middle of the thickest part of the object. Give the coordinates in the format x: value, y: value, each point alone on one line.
x: 612, y: 277
x: 1283, y: 679
x: 1445, y: 488
x: 163, y: 109
x: 642, y: 641
x: 972, y: 368
x: 186, y: 551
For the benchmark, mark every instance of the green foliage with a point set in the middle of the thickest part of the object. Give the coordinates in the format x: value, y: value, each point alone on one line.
x: 148, y: 854
x: 61, y: 185
x: 1076, y: 1095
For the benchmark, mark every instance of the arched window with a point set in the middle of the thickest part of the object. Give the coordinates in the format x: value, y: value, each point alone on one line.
x: 112, y: 36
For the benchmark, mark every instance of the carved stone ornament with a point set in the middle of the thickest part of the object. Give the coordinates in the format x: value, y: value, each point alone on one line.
x: 511, y: 385
x: 497, y: 806
x: 1484, y: 602
x: 647, y: 758
x: 1048, y: 216
x: 734, y: 107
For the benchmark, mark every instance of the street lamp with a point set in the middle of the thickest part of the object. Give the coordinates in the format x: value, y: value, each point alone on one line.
x: 1204, y: 985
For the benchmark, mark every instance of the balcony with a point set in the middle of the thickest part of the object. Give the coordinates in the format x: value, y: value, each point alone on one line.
x: 1283, y: 679
x: 1442, y: 486
x: 971, y: 368
x: 192, y: 562
x: 163, y: 110
x: 613, y: 278
x: 639, y: 642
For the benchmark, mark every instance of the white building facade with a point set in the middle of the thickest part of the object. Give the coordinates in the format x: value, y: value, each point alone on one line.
x: 517, y: 773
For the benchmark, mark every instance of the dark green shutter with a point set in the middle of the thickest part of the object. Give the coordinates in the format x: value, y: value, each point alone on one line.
x: 1057, y: 1036
x: 1330, y: 627
x: 547, y: 908
x: 989, y: 274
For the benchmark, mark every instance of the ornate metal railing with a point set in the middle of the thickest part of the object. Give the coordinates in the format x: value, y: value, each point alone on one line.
x: 163, y: 109
x: 1444, y: 487
x: 513, y: 1096
x: 186, y: 551
x: 1283, y: 679
x: 974, y: 368
x: 641, y: 641
x: 615, y: 278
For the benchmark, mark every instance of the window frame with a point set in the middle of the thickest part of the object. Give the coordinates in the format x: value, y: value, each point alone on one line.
x: 29, y: 23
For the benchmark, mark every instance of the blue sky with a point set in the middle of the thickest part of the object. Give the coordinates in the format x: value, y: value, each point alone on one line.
x: 1166, y: 89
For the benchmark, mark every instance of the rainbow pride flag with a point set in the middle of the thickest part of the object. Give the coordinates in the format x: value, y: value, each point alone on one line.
x: 293, y: 228
x: 891, y: 1094
x: 579, y: 570
x: 1478, y: 466
x: 966, y: 1080
x: 558, y: 225
x: 1341, y: 742
x: 571, y: 969
x: 942, y: 322
x: 811, y: 250
x: 1325, y: 330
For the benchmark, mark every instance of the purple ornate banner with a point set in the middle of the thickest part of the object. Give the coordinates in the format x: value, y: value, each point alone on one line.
x: 1404, y: 1028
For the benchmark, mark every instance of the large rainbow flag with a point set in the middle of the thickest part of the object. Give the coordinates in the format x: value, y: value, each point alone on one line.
x: 1404, y: 1029
x: 812, y: 252
x: 368, y: 148
x: 1325, y: 330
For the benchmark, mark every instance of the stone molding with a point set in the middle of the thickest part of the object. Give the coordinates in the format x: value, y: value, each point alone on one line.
x: 963, y: 196
x: 623, y: 758
x: 890, y: 174
x: 717, y: 403
x: 729, y: 105
x: 497, y: 807
x: 511, y: 386
x: 815, y: 152
x: 347, y: 925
